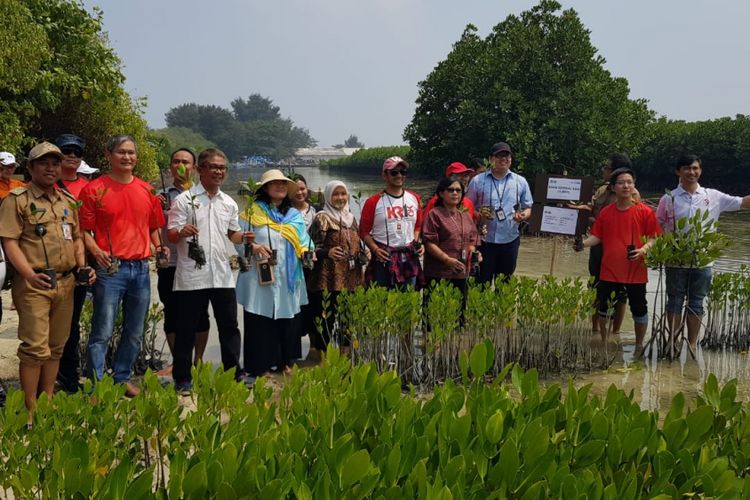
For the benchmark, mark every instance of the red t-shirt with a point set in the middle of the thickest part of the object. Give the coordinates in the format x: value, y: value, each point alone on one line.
x: 75, y: 187
x: 466, y: 202
x: 130, y: 210
x: 617, y: 229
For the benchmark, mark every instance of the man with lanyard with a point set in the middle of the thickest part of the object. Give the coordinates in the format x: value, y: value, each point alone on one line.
x: 40, y: 233
x: 125, y: 218
x: 504, y: 201
x: 181, y: 165
x: 8, y: 165
x: 390, y: 226
x: 72, y: 146
x: 685, y: 201
x: 204, y: 211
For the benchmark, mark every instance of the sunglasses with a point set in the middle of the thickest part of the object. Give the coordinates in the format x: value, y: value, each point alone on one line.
x: 453, y: 190
x: 394, y: 173
x: 77, y: 152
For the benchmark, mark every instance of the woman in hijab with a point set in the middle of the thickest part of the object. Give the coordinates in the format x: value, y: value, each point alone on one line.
x: 340, y: 260
x: 272, y: 293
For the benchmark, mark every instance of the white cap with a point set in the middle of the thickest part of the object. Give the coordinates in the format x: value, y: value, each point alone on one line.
x: 7, y: 159
x: 86, y: 169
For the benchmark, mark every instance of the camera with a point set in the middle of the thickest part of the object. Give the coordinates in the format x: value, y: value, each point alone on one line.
x: 197, y: 253
x: 243, y: 264
x: 162, y: 261
x: 114, y: 266
x: 475, y: 263
x: 307, y: 260
x: 416, y: 246
x: 362, y: 259
x: 83, y: 275
x: 631, y: 251
x: 52, y: 276
x: 265, y: 272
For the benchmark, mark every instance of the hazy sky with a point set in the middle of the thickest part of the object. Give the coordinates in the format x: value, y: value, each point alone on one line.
x: 352, y: 66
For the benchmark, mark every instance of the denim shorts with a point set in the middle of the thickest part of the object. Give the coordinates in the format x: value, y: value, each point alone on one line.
x: 692, y: 283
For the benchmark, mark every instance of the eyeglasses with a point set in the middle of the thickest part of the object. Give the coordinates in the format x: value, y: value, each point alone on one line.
x: 394, y: 173
x: 77, y: 152
x: 453, y: 190
x: 216, y: 168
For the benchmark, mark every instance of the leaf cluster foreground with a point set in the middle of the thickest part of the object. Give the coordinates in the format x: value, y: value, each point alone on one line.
x: 338, y: 431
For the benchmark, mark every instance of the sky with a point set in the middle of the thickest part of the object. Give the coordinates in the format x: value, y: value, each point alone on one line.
x: 341, y: 67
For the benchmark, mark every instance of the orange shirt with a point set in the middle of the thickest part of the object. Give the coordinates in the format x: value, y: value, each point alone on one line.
x: 617, y: 229
x: 129, y: 212
x: 7, y: 186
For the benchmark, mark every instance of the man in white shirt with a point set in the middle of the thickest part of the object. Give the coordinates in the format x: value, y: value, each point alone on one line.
x: 208, y: 215
x: 684, y: 202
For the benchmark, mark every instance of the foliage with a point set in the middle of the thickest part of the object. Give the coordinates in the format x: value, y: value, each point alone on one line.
x: 387, y: 330
x: 368, y: 160
x: 167, y: 140
x: 58, y: 74
x: 728, y: 312
x: 254, y: 127
x: 150, y: 355
x: 692, y: 242
x: 723, y: 145
x: 535, y: 81
x: 348, y: 432
x: 351, y: 142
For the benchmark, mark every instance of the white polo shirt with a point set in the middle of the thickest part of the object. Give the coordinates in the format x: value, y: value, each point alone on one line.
x: 215, y: 217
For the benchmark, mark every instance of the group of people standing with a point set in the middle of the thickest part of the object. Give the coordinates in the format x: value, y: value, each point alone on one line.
x: 294, y: 259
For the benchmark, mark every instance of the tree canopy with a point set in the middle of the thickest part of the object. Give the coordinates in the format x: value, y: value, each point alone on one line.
x: 352, y: 142
x: 254, y: 126
x: 58, y: 74
x: 535, y: 81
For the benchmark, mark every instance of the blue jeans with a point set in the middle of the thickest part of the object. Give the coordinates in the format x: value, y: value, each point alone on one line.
x: 131, y: 286
x: 692, y: 283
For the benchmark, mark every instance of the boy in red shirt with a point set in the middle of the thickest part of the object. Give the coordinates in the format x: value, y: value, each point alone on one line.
x: 125, y: 218
x: 620, y: 229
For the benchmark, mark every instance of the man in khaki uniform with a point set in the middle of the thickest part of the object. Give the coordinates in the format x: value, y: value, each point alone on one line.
x: 39, y: 231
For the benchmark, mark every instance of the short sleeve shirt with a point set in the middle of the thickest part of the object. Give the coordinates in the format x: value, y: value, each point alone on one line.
x: 56, y: 212
x: 617, y: 229
x: 126, y: 212
x: 684, y: 204
x: 390, y: 220
x: 452, y: 232
x: 486, y: 190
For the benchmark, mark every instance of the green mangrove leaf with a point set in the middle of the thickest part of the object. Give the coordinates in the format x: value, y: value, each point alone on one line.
x: 355, y: 468
x: 478, y: 360
x: 195, y: 483
x: 589, y: 452
x: 494, y: 428
x: 141, y: 486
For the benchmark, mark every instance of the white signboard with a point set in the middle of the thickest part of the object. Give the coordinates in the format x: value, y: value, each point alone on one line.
x: 559, y: 220
x: 563, y: 189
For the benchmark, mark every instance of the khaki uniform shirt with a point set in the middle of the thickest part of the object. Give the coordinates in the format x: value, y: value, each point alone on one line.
x: 59, y: 217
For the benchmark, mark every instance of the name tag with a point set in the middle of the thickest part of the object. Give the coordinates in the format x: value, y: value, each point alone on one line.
x: 67, y: 231
x: 500, y: 214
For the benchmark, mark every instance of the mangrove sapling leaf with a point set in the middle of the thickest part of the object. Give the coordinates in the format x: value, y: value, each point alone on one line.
x: 478, y: 360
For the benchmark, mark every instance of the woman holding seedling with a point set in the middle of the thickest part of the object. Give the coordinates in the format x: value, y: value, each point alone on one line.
x: 341, y: 256
x: 40, y: 233
x: 272, y: 293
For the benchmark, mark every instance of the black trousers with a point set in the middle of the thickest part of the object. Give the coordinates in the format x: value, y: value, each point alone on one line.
x: 498, y: 258
x: 193, y: 303
x: 69, y: 371
x: 268, y: 342
x: 171, y: 306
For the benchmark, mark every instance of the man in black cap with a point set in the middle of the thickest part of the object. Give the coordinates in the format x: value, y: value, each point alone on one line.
x: 503, y: 199
x: 72, y: 146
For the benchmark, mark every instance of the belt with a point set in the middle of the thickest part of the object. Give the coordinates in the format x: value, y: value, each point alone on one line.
x: 62, y: 274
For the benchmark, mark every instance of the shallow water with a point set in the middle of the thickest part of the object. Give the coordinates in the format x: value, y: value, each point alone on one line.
x: 654, y: 383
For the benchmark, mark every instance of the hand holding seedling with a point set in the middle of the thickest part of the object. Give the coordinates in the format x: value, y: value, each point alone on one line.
x: 40, y: 281
x: 262, y: 251
x: 456, y: 265
x: 336, y: 253
x: 248, y: 237
x: 188, y: 230
x: 382, y: 254
x: 102, y: 258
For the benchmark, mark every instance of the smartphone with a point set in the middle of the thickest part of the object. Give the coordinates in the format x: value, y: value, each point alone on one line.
x: 631, y: 252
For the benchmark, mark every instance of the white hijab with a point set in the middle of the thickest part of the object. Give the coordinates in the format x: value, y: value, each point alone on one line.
x: 344, y: 215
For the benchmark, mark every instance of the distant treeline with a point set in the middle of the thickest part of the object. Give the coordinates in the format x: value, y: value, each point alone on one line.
x: 722, y: 144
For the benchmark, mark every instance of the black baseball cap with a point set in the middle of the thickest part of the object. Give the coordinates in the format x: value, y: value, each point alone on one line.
x: 68, y: 140
x: 500, y: 147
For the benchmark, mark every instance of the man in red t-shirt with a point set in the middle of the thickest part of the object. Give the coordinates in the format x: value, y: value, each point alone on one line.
x: 620, y: 228
x: 125, y: 218
x: 463, y: 174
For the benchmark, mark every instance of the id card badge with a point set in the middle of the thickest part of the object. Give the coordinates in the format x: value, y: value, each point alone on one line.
x: 67, y: 231
x: 463, y: 255
x: 399, y: 228
x: 352, y: 263
x: 500, y: 214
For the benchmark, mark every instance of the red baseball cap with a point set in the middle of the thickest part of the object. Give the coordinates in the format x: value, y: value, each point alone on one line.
x: 457, y: 168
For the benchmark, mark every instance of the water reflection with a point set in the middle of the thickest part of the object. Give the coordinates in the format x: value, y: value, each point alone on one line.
x: 653, y: 383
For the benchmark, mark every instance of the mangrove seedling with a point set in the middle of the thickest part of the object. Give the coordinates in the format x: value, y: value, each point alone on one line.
x: 195, y: 250
x: 114, y: 262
